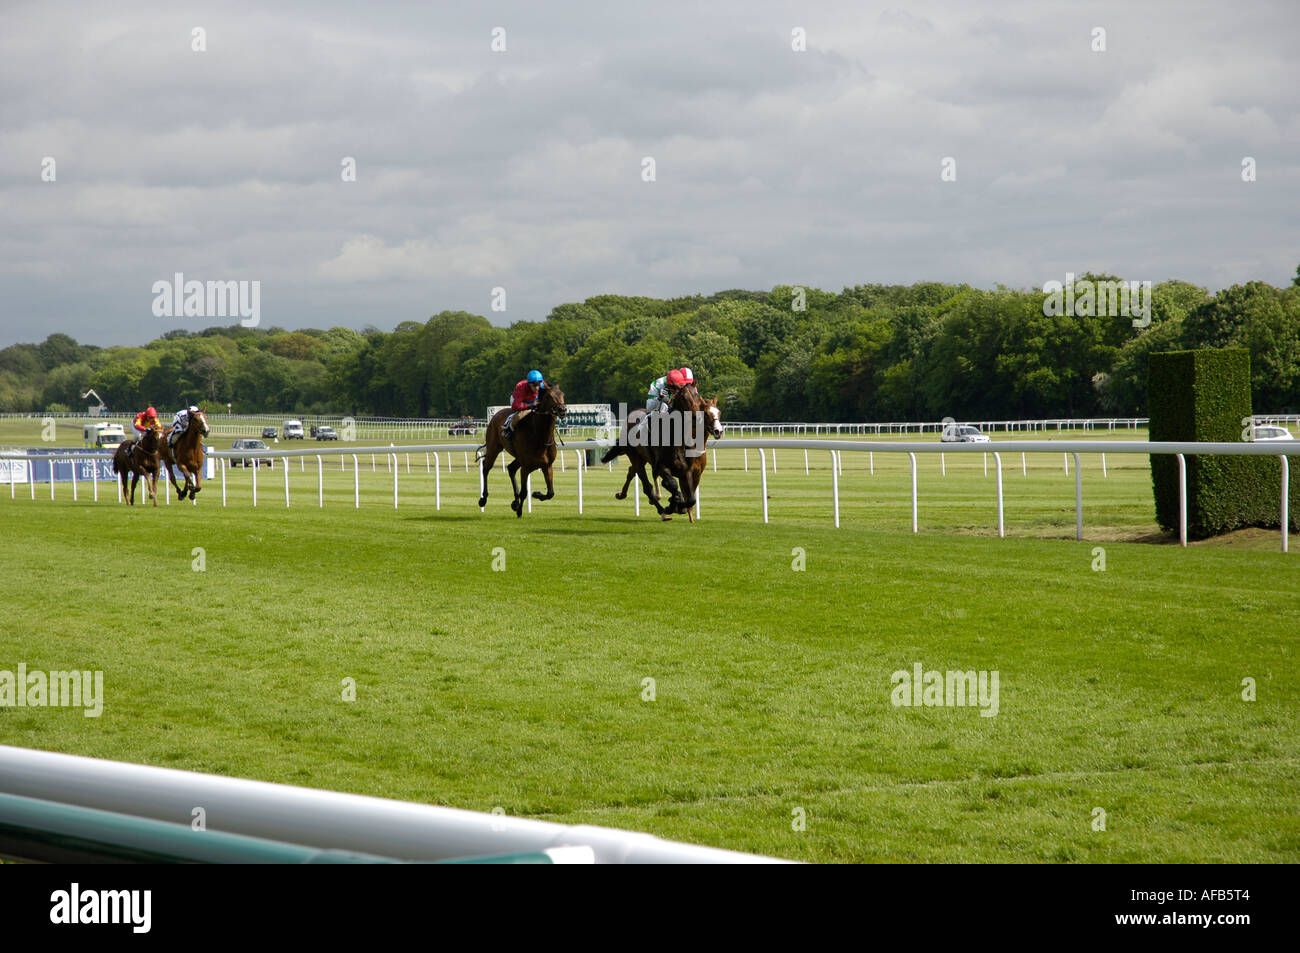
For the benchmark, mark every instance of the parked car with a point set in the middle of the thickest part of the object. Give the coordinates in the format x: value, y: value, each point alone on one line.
x: 1271, y: 432
x: 325, y: 433
x: 268, y: 433
x: 249, y: 444
x: 963, y: 433
x: 465, y: 427
x: 292, y: 430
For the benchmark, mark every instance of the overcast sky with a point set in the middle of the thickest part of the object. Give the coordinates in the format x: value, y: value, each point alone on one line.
x: 523, y: 169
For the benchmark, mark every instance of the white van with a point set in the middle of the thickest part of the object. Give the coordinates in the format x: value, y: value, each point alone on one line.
x: 292, y: 430
x: 102, y: 435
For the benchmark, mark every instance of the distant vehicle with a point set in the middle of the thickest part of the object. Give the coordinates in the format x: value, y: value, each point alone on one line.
x: 465, y: 427
x: 963, y: 433
x: 1271, y: 432
x: 250, y: 444
x: 325, y: 433
x: 102, y: 435
x: 292, y: 430
x: 268, y: 433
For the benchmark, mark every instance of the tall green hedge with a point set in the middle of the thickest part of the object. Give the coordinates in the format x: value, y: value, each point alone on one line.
x: 1203, y: 397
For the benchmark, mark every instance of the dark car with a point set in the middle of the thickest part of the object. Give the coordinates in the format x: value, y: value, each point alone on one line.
x: 465, y: 427
x: 268, y: 433
x: 247, y: 461
x: 325, y: 433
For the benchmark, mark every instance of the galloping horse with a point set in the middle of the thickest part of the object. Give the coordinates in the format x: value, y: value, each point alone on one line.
x: 140, y: 459
x: 187, y: 456
x: 638, y: 458
x: 534, y: 447
x: 668, y: 461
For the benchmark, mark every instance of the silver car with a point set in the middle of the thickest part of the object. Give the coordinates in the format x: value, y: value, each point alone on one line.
x: 963, y: 433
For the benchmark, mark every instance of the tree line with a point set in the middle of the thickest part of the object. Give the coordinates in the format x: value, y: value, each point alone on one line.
x: 871, y: 352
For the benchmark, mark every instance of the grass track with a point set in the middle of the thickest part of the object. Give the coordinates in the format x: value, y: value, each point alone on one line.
x: 523, y: 689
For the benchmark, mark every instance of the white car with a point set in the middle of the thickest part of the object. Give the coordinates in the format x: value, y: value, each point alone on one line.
x: 292, y: 430
x: 1271, y: 432
x: 963, y: 433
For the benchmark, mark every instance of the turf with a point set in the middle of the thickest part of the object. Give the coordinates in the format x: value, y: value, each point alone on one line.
x: 526, y: 688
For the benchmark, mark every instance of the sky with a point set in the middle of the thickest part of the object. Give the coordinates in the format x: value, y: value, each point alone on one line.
x: 991, y: 143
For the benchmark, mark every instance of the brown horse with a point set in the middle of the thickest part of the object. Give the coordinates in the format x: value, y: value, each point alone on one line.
x: 136, y: 459
x: 668, y: 461
x: 187, y: 456
x: 534, y: 447
x: 638, y: 459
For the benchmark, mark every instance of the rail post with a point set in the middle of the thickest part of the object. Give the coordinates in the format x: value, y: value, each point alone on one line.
x: 1078, y: 498
x: 1286, y: 497
x: 1182, y: 500
x: 913, y: 456
x: 997, y: 461
x: 762, y: 465
x: 835, y: 488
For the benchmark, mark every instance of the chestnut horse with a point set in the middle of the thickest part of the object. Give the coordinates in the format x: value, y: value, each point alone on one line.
x: 638, y: 459
x: 668, y: 463
x: 137, y: 459
x: 187, y: 456
x: 534, y: 447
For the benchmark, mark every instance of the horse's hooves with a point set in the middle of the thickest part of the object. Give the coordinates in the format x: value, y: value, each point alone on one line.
x: 538, y: 495
x: 620, y: 496
x: 665, y: 517
x: 482, y: 501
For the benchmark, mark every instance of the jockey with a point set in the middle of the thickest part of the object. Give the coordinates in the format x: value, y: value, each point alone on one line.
x: 662, y: 391
x: 144, y: 421
x: 689, y: 376
x: 180, y: 422
x: 527, y: 393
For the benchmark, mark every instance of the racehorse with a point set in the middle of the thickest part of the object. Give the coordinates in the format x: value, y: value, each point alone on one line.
x: 187, y: 456
x: 637, y: 458
x: 139, y: 459
x: 669, y: 462
x: 534, y: 447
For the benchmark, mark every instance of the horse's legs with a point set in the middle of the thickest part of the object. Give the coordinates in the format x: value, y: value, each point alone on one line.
x: 547, y: 472
x: 171, y: 475
x: 151, y: 483
x: 631, y: 475
x: 485, y: 464
x: 516, y: 503
x: 650, y: 494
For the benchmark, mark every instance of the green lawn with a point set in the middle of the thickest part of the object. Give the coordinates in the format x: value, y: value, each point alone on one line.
x: 524, y: 689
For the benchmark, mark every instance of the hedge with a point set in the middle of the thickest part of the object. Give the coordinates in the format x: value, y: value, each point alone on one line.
x: 1204, y: 396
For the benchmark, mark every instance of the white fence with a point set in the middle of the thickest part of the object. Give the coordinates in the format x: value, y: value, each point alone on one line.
x: 1067, y: 448
x: 327, y: 819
